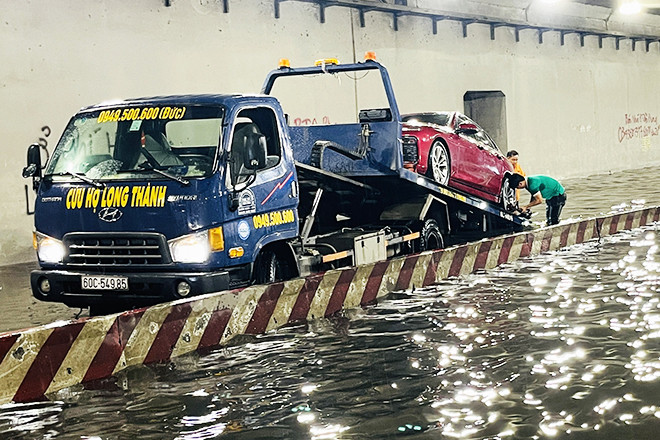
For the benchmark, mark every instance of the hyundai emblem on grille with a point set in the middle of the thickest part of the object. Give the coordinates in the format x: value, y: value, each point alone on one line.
x: 110, y: 214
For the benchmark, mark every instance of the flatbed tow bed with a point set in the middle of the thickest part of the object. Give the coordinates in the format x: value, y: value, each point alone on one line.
x: 410, y: 186
x: 361, y: 164
x: 516, y: 222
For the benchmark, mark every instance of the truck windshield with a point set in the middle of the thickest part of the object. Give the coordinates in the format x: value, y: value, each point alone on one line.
x: 134, y: 142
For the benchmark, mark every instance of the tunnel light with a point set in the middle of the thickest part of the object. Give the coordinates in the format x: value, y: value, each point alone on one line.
x: 630, y: 7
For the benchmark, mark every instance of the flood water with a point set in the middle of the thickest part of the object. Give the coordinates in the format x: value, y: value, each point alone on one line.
x: 562, y: 345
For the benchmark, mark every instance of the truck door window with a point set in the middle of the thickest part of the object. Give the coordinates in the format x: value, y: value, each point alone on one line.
x: 253, y: 125
x: 194, y: 143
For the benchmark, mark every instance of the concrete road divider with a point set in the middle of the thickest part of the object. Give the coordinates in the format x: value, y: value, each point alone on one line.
x: 38, y: 361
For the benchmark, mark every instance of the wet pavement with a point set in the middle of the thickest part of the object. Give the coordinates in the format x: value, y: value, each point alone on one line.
x: 587, y: 197
x: 562, y: 345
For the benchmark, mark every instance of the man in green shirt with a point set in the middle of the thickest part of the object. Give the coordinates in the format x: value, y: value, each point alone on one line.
x: 543, y: 187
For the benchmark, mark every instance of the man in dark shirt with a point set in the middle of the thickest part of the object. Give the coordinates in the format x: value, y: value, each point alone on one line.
x: 543, y: 187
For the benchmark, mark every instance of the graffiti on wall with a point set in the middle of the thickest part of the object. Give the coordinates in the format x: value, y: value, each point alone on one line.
x: 639, y: 126
x: 311, y: 121
x: 43, y: 143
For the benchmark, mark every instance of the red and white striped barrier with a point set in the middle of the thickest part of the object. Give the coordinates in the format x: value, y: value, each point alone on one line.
x: 42, y: 360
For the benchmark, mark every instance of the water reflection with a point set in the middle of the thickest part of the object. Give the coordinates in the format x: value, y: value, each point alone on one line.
x: 564, y: 345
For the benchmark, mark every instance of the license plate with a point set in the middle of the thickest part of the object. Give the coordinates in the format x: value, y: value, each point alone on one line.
x: 104, y: 283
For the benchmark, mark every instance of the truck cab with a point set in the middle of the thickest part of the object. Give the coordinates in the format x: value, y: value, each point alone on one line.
x: 153, y: 199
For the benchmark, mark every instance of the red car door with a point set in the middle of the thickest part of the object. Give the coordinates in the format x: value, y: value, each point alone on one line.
x: 475, y: 160
x: 494, y: 162
x: 465, y: 155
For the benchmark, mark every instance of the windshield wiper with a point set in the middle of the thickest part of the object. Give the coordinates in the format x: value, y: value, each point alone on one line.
x: 148, y: 167
x: 81, y: 177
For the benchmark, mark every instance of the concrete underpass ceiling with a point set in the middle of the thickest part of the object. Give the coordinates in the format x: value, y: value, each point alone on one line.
x: 601, y: 18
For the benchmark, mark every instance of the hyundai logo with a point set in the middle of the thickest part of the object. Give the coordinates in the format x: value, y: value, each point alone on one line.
x: 110, y: 214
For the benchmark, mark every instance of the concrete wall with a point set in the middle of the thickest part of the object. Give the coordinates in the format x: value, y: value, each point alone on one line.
x: 571, y: 110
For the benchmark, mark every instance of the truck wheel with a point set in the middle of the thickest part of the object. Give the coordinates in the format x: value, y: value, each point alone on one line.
x: 269, y: 268
x: 430, y: 236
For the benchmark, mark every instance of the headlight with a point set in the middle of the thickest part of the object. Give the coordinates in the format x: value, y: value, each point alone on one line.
x: 49, y: 250
x: 196, y: 248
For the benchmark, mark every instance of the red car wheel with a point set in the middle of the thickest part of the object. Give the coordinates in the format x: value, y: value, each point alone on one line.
x: 508, y: 196
x: 438, y: 163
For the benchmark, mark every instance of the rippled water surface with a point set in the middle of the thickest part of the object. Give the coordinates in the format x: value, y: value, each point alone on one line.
x: 564, y: 345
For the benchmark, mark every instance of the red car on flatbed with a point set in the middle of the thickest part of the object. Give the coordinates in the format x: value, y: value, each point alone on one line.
x: 456, y: 152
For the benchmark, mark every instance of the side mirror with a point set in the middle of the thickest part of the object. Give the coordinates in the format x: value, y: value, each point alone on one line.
x: 253, y: 160
x: 255, y: 152
x: 33, y: 168
x: 467, y: 129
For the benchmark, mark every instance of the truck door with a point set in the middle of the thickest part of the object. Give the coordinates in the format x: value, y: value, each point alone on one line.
x: 261, y: 182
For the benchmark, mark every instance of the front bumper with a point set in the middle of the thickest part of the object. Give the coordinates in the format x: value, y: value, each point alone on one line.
x: 143, y: 288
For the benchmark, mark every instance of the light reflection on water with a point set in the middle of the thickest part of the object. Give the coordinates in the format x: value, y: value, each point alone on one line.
x: 564, y: 345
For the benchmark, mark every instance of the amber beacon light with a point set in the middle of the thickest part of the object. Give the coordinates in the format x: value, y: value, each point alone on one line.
x: 326, y: 61
x: 370, y: 56
x: 284, y: 63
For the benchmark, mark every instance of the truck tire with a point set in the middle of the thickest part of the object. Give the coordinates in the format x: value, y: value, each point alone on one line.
x: 270, y: 268
x: 430, y: 236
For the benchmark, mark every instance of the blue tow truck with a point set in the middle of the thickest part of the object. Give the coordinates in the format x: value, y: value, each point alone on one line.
x: 160, y: 198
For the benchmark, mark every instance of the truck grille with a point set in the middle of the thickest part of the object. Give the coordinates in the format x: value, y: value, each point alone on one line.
x: 116, y: 249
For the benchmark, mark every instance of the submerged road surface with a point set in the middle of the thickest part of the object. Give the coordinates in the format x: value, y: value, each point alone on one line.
x: 564, y: 345
x: 587, y: 197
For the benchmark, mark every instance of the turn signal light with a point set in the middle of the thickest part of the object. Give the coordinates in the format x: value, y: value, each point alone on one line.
x: 236, y: 252
x: 216, y: 239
